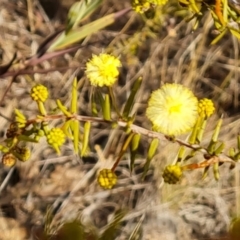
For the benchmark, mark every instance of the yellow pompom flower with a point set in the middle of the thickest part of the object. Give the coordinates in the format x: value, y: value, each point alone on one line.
x: 102, y: 70
x: 107, y: 178
x: 56, y: 138
x: 205, y: 107
x: 39, y: 93
x: 172, y: 174
x: 172, y: 109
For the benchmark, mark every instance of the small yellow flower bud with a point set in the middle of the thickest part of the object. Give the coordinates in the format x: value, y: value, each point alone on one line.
x: 107, y: 178
x: 172, y: 174
x: 39, y: 93
x: 205, y: 107
x: 56, y: 138
x: 9, y: 160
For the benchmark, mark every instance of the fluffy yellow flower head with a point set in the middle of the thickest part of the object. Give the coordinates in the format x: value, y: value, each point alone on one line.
x: 102, y: 69
x: 172, y: 109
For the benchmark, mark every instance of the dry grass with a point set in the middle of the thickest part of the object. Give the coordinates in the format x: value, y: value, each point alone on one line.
x: 193, y: 209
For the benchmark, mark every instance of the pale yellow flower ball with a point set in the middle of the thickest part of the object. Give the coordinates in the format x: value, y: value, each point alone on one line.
x: 172, y: 109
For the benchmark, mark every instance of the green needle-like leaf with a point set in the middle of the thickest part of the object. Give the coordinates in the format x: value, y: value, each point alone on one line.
x: 212, y: 145
x: 235, y: 32
x: 75, y: 130
x: 26, y: 139
x: 153, y: 147
x: 113, y: 101
x: 94, y: 104
x: 219, y: 149
x: 225, y: 10
x: 201, y: 130
x: 79, y: 11
x: 87, y: 127
x: 130, y: 101
x: 219, y: 37
x: 107, y: 108
x: 63, y: 108
x: 151, y: 152
x: 74, y: 96
x: 181, y: 153
x: 217, y: 130
x: 41, y: 108
x: 134, y: 147
x: 77, y: 34
x: 195, y: 8
x: 238, y: 142
x: 190, y: 155
x: 19, y: 115
x: 45, y: 127
x: 205, y: 172
x: 211, y: 148
x: 66, y: 128
x: 231, y: 152
x: 216, y: 171
x: 194, y: 133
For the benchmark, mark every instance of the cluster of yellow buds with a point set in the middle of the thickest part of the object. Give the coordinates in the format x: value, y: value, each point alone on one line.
x: 107, y: 178
x: 56, y: 138
x: 39, y: 93
x: 22, y: 130
x: 172, y: 174
x: 10, y: 158
x: 205, y: 108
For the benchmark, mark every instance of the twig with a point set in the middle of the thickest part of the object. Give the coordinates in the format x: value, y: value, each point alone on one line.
x: 134, y: 128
